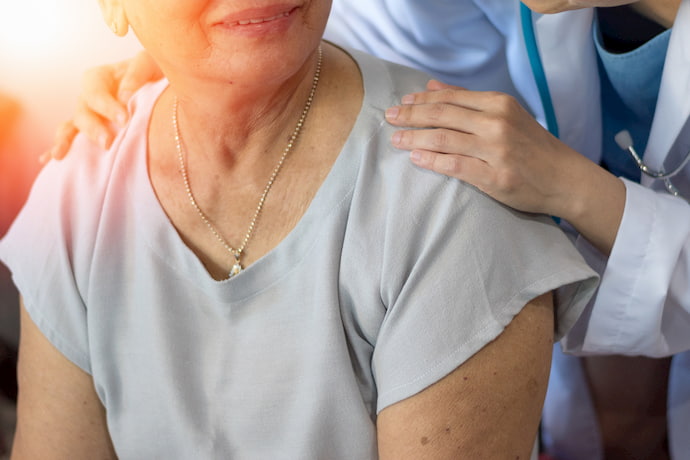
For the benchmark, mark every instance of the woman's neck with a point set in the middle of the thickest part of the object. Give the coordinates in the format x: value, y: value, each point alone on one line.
x: 661, y: 11
x: 230, y: 124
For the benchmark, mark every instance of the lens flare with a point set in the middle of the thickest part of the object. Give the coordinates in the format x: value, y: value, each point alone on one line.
x: 31, y: 28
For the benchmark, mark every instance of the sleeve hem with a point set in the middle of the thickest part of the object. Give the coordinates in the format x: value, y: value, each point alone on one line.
x: 584, y: 283
x: 56, y: 340
x: 627, y: 313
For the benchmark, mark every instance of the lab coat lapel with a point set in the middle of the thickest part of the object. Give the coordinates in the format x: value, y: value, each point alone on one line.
x: 673, y: 104
x: 570, y: 64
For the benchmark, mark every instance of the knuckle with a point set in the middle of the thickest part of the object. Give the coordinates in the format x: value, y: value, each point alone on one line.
x: 499, y: 129
x: 506, y: 181
x: 503, y: 103
x: 494, y: 126
x: 435, y: 112
x: 65, y: 130
x: 447, y: 94
x: 449, y: 164
x: 439, y: 139
x: 493, y: 97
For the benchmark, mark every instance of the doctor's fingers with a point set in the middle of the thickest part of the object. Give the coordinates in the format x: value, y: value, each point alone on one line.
x: 100, y: 86
x: 450, y: 129
x: 96, y: 108
x: 441, y: 140
x: 465, y: 168
x: 485, y: 101
x: 64, y: 135
x: 97, y: 128
x: 442, y: 115
x: 506, y: 184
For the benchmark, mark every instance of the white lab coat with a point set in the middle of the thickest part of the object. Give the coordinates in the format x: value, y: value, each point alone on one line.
x: 456, y: 41
x: 643, y: 303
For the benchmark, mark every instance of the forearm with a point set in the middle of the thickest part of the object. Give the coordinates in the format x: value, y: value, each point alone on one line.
x: 662, y: 11
x: 592, y: 200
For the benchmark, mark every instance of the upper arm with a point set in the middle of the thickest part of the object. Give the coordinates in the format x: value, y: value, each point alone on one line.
x: 59, y: 415
x: 488, y: 407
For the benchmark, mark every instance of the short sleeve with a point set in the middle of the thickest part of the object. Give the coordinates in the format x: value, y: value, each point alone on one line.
x: 463, y: 270
x: 50, y: 246
x: 47, y: 250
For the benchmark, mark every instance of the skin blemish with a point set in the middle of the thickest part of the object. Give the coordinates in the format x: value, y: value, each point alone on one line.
x: 424, y: 441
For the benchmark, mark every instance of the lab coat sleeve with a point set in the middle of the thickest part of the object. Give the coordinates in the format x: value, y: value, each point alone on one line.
x: 643, y: 303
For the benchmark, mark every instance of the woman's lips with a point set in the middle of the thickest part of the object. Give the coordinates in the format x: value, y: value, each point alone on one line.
x: 258, y: 16
x: 244, y: 22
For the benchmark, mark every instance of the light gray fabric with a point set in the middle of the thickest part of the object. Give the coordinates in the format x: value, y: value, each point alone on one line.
x: 393, y: 278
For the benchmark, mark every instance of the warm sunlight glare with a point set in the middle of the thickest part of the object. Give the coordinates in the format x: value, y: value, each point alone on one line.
x: 45, y: 46
x: 32, y: 27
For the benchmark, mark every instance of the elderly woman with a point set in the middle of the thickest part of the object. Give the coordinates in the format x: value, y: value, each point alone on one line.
x: 251, y: 271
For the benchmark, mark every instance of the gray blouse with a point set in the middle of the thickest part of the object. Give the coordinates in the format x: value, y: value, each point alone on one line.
x: 393, y: 278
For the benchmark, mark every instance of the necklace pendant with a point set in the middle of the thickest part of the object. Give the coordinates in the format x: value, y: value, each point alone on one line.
x: 181, y: 156
x: 235, y: 270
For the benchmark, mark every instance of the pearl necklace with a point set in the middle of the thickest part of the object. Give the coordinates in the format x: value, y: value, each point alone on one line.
x: 181, y: 155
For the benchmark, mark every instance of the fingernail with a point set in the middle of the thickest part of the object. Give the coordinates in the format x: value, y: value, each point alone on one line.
x: 415, y: 156
x: 397, y: 137
x: 408, y: 99
x: 392, y: 113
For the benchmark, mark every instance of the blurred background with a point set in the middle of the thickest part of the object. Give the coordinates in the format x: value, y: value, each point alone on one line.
x: 45, y: 46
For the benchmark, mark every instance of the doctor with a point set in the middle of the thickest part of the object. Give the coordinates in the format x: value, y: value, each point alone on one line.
x: 596, y: 72
x: 586, y: 76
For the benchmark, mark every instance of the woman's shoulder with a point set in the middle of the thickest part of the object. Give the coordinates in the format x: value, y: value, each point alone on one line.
x: 88, y: 169
x: 385, y: 82
x: 66, y: 203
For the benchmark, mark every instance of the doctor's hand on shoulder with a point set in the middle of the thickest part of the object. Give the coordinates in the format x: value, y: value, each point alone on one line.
x: 106, y: 90
x: 486, y: 139
x: 489, y: 140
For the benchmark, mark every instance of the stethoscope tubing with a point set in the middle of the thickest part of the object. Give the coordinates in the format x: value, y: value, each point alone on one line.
x: 550, y: 113
x: 538, y: 69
